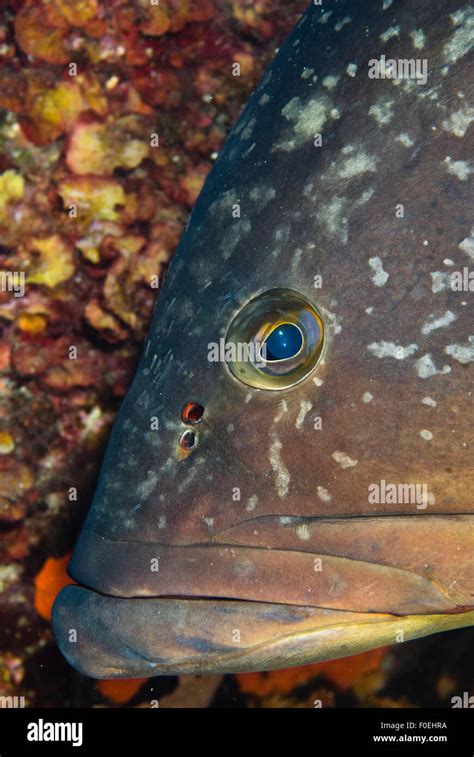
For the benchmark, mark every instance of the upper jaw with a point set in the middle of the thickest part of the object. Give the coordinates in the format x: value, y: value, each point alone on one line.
x: 241, y: 572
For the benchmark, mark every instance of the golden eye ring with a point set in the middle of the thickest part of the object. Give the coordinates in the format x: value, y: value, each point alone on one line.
x: 284, y: 336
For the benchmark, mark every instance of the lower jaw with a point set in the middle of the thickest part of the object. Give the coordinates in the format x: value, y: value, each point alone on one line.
x: 112, y: 637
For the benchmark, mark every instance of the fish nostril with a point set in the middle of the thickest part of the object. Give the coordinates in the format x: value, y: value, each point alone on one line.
x: 187, y: 440
x: 192, y: 412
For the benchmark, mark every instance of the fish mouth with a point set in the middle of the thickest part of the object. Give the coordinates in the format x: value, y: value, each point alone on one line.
x: 118, y: 625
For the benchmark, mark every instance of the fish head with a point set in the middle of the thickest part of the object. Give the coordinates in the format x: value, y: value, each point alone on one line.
x: 288, y: 478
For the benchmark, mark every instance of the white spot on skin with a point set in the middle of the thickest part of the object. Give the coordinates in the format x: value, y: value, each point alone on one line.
x: 278, y: 467
x: 418, y: 39
x: 334, y: 322
x: 247, y: 132
x: 367, y: 397
x: 439, y: 281
x: 357, y: 162
x: 429, y: 401
x: 334, y: 215
x: 340, y: 24
x: 426, y: 368
x: 318, y: 381
x: 283, y: 408
x: 392, y: 31
x: 249, y: 149
x: 467, y: 245
x: 305, y: 407
x: 252, y: 503
x: 405, y: 140
x: 223, y: 205
x: 369, y: 311
x: 382, y: 111
x: 462, y: 40
x: 380, y: 276
x: 296, y: 259
x: 209, y: 522
x: 459, y: 168
x: 448, y: 261
x: 307, y: 72
x: 325, y: 17
x: 459, y: 122
x: 390, y: 349
x: 262, y: 195
x: 233, y: 235
x: 463, y: 353
x: 303, y: 532
x: 162, y: 521
x: 438, y: 323
x: 307, y: 119
x: 264, y: 99
x: 426, y: 435
x: 145, y: 488
x: 351, y: 69
x: 344, y: 460
x: 283, y: 233
x: 323, y: 494
x: 386, y: 4
x: 330, y: 82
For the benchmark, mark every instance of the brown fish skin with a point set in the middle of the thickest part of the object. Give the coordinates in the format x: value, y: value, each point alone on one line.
x: 306, y: 540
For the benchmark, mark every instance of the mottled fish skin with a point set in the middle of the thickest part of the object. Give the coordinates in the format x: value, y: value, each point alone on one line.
x: 319, y: 571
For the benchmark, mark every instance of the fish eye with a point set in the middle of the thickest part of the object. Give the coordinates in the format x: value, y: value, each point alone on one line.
x: 275, y: 340
x: 285, y: 341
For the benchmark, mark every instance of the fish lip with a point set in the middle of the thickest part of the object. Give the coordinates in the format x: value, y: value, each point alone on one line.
x: 131, y: 569
x: 119, y: 637
x: 111, y: 649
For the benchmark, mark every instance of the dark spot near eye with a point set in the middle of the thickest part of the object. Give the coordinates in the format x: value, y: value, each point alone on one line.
x: 192, y: 412
x: 188, y: 440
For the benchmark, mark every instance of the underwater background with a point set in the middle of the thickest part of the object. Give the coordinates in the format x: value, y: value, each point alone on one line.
x: 120, y: 109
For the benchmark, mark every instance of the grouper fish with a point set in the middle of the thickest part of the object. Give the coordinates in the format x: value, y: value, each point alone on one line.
x: 289, y: 477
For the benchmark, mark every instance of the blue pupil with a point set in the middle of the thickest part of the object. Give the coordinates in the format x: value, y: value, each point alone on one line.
x: 284, y: 342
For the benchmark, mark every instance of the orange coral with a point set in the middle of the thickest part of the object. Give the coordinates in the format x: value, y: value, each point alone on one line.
x: 48, y: 582
x: 120, y: 691
x: 343, y: 673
